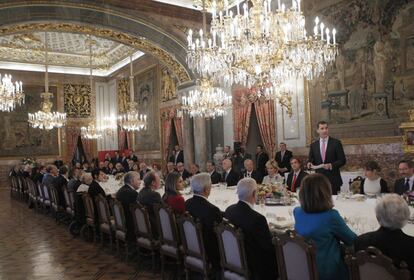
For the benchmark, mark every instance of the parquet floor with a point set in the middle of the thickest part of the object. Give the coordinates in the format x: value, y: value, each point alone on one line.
x: 33, y: 246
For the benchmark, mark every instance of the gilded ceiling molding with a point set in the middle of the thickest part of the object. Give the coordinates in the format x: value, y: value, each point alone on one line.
x: 137, y: 42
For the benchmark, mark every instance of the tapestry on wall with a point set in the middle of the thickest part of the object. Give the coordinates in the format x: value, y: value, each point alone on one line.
x: 77, y: 100
x: 147, y: 95
x: 20, y: 140
x: 371, y: 84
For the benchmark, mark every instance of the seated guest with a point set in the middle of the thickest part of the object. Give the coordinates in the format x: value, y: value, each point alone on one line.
x: 118, y: 169
x: 135, y: 168
x: 373, y: 183
x: 86, y: 180
x: 130, y: 165
x: 86, y: 167
x: 170, y: 168
x: 148, y: 196
x: 37, y: 176
x: 392, y: 215
x: 108, y: 157
x: 51, y: 173
x: 27, y: 171
x: 183, y: 172
x: 117, y: 158
x: 316, y: 221
x: 229, y: 176
x: 127, y: 195
x: 59, y: 182
x: 172, y: 197
x: 102, y: 167
x: 273, y: 176
x: 296, y: 175
x: 208, y: 214
x: 214, y: 175
x: 143, y: 169
x: 260, y: 252
x: 194, y: 169
x: 157, y: 169
x: 110, y: 168
x: 405, y: 184
x: 250, y: 172
x: 95, y: 188
x: 75, y: 180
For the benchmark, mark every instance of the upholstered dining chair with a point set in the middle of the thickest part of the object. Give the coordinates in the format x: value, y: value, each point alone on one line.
x: 106, y: 223
x: 195, y: 258
x: 69, y: 205
x: 13, y: 186
x: 232, y: 252
x: 31, y: 191
x: 120, y: 227
x: 372, y: 264
x: 292, y: 249
x: 46, y: 197
x: 90, y: 223
x: 144, y: 233
x: 22, y: 187
x: 56, y: 204
x: 170, y: 244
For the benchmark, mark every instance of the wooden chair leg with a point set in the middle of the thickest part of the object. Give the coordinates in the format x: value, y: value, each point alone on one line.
x: 126, y: 251
x: 162, y: 265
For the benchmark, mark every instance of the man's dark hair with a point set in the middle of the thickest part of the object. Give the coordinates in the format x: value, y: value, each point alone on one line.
x: 410, y: 163
x: 149, y: 178
x: 63, y: 170
x: 296, y: 158
x: 321, y: 123
x: 95, y: 173
x: 212, y: 162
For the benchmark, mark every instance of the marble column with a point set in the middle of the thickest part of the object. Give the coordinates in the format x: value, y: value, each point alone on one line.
x: 106, y: 106
x: 200, y: 140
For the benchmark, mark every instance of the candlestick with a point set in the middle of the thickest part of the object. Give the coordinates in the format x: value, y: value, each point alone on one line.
x: 322, y: 27
x: 334, y: 36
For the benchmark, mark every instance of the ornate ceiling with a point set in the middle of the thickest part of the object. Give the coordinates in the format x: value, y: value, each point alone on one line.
x: 65, y: 49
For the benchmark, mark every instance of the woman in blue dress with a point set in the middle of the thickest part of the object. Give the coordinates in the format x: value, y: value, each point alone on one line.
x: 317, y: 222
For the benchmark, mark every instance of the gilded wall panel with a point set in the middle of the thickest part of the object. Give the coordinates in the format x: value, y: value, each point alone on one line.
x: 77, y: 100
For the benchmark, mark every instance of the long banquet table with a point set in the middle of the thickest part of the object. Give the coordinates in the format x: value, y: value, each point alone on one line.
x: 360, y: 215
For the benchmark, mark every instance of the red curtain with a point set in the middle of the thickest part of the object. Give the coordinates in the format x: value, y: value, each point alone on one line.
x: 166, y: 127
x: 72, y: 134
x: 179, y: 130
x: 265, y: 112
x: 242, y: 110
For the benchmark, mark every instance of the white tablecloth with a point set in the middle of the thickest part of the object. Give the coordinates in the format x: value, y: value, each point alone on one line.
x: 360, y: 214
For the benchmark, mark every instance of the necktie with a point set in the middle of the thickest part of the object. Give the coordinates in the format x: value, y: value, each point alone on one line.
x: 407, y: 184
x: 225, y: 176
x: 293, y: 183
x: 249, y: 175
x: 323, y: 150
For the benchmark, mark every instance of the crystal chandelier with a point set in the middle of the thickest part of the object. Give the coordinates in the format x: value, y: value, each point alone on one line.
x: 91, y: 131
x: 260, y: 47
x: 206, y: 101
x: 10, y: 94
x: 45, y: 118
x: 132, y: 120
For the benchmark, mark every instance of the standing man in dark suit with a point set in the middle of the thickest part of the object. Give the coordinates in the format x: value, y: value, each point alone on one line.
x: 148, y: 196
x: 229, y: 176
x: 296, y: 175
x: 405, y: 184
x: 261, y: 159
x: 208, y: 214
x: 179, y: 155
x: 127, y: 195
x: 117, y: 158
x: 214, y: 175
x: 59, y: 182
x: 249, y: 171
x: 328, y: 153
x: 260, y: 252
x: 283, y: 159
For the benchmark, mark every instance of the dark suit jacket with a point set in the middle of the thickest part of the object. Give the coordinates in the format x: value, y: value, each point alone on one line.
x: 255, y: 175
x: 179, y: 158
x: 215, y: 177
x: 127, y: 196
x: 261, y: 160
x: 393, y: 243
x: 95, y: 189
x: 148, y: 198
x: 142, y: 173
x: 59, y: 182
x: 115, y: 159
x: 185, y: 174
x: 399, y: 186
x: 285, y: 162
x: 232, y: 179
x: 383, y: 184
x: 334, y: 155
x: 260, y: 251
x: 299, y: 179
x: 207, y: 214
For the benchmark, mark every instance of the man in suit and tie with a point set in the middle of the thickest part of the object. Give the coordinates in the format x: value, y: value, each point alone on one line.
x: 260, y: 251
x: 249, y: 171
x: 283, y: 159
x: 296, y: 175
x: 127, y: 195
x: 327, y: 153
x: 405, y: 184
x: 184, y: 173
x: 201, y: 209
x: 214, y: 175
x: 261, y: 159
x: 143, y: 169
x: 229, y: 176
x: 117, y: 158
x: 179, y: 155
x: 227, y: 152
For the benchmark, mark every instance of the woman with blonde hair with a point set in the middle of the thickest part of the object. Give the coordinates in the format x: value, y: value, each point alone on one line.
x: 273, y: 176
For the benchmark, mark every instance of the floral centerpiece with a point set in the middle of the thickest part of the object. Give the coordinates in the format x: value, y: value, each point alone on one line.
x: 271, y: 194
x: 29, y: 161
x: 119, y: 176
